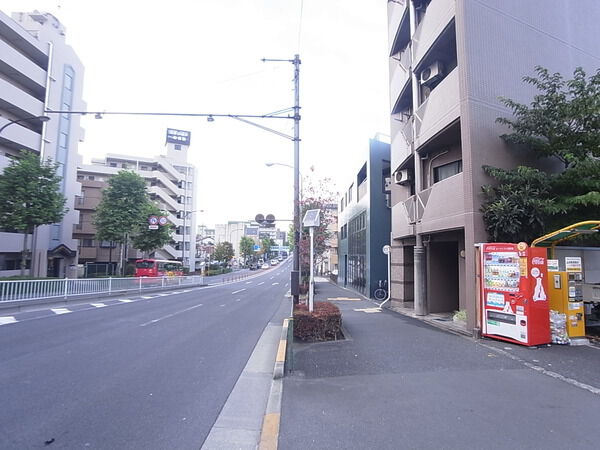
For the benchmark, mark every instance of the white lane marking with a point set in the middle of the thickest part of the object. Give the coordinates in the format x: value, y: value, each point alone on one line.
x: 60, y: 310
x: 248, y: 282
x: 98, y: 305
x: 7, y: 319
x: 222, y: 305
x: 262, y: 282
x: 170, y: 315
x: 286, y: 285
x: 571, y: 381
x: 275, y: 283
x: 147, y: 297
x: 271, y: 278
x: 238, y: 299
x: 164, y: 295
x: 125, y: 300
x: 240, y: 290
x: 368, y: 310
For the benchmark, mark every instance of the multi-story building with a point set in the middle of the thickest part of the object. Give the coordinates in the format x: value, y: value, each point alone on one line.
x: 364, y: 222
x: 450, y: 61
x: 329, y: 261
x: 40, y: 72
x: 170, y: 181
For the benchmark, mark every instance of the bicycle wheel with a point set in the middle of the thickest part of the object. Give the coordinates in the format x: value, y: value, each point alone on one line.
x: 380, y: 294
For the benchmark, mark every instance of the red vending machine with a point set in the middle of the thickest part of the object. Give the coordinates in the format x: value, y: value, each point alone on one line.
x: 514, y: 293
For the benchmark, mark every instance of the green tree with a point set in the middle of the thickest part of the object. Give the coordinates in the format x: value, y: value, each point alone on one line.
x: 124, y: 205
x: 223, y: 252
x: 266, y: 244
x: 29, y: 197
x: 246, y: 247
x: 148, y: 240
x: 562, y: 123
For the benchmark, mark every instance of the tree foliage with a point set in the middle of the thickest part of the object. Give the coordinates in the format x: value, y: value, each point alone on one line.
x: 124, y: 205
x: 30, y: 196
x: 562, y: 122
x: 223, y: 252
x: 266, y: 244
x: 148, y: 240
x: 246, y: 247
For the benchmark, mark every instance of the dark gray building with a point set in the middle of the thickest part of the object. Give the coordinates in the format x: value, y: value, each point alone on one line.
x: 364, y: 222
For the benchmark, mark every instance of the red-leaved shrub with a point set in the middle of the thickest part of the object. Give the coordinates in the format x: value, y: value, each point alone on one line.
x: 323, y: 324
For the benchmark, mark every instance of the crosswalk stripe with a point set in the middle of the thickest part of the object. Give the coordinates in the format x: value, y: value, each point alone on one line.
x: 125, y: 300
x: 98, y: 305
x: 60, y: 310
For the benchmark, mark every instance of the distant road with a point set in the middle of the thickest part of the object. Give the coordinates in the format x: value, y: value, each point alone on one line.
x: 142, y: 371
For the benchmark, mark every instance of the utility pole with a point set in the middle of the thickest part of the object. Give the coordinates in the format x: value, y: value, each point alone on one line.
x: 295, y: 278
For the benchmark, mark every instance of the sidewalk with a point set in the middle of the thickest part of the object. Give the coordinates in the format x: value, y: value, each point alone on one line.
x: 398, y: 382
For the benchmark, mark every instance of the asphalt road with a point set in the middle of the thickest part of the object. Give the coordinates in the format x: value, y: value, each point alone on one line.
x: 147, y: 372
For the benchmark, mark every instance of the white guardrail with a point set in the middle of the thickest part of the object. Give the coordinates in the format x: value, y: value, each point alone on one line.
x: 23, y: 290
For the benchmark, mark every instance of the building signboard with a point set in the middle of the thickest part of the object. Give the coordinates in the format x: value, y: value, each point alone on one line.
x: 178, y: 136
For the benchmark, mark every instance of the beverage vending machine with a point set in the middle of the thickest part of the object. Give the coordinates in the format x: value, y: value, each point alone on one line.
x: 514, y: 293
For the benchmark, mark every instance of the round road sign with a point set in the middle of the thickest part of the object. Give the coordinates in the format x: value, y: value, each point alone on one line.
x: 162, y: 221
x: 152, y: 220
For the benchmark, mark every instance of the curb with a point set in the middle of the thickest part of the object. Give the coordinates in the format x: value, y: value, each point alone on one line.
x: 269, y: 435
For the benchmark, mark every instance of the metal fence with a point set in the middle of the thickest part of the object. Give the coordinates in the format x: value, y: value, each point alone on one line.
x: 23, y: 290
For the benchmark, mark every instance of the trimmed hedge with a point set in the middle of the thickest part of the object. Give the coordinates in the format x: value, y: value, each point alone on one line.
x: 323, y: 324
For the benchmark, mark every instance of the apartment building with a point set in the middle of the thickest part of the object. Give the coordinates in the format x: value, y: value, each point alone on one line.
x: 364, y: 222
x: 450, y: 61
x: 170, y: 181
x: 40, y: 72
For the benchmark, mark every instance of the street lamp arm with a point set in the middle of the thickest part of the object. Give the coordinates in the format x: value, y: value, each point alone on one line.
x: 262, y: 127
x: 26, y: 119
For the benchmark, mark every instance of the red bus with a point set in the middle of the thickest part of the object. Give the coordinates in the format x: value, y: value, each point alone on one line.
x: 158, y: 268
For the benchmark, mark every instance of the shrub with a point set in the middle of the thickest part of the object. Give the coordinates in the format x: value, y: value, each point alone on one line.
x: 323, y: 324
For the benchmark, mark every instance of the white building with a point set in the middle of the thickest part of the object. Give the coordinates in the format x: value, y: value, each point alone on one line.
x: 38, y: 72
x: 170, y: 180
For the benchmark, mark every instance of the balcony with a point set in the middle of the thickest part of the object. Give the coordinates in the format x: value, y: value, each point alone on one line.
x: 86, y: 228
x: 22, y: 69
x: 439, y: 110
x: 396, y: 12
x: 401, y: 222
x: 86, y: 203
x: 90, y: 253
x: 443, y: 205
x: 18, y: 100
x: 169, y: 202
x: 437, y: 17
x: 402, y: 133
x: 400, y: 73
x: 22, y: 137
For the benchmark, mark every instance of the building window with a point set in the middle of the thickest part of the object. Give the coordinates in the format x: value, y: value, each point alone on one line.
x: 447, y: 170
x: 113, y: 164
x: 87, y: 243
x: 177, y: 146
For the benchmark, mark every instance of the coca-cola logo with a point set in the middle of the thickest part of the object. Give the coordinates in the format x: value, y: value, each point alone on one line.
x: 538, y: 261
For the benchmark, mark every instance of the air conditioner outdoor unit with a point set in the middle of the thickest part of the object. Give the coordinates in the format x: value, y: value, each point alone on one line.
x: 402, y: 176
x: 432, y: 73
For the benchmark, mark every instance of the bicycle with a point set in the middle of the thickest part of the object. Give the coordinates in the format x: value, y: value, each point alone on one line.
x: 381, y: 292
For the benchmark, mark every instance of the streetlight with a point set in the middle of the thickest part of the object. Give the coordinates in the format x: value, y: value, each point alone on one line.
x: 26, y: 119
x: 42, y: 119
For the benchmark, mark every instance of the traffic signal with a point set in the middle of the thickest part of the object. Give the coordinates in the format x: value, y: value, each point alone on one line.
x: 267, y: 222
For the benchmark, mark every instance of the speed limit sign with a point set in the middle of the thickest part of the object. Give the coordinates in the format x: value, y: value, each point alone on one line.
x: 162, y: 221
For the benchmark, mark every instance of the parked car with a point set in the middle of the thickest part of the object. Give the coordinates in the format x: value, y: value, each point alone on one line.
x: 274, y: 262
x: 265, y: 266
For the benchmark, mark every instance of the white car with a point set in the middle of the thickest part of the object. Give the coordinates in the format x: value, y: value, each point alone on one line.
x: 274, y: 262
x: 264, y: 266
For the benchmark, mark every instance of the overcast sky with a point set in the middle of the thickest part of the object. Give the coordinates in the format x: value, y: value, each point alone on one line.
x: 204, y: 56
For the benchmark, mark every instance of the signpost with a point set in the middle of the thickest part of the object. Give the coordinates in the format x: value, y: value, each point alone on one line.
x: 311, y: 220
